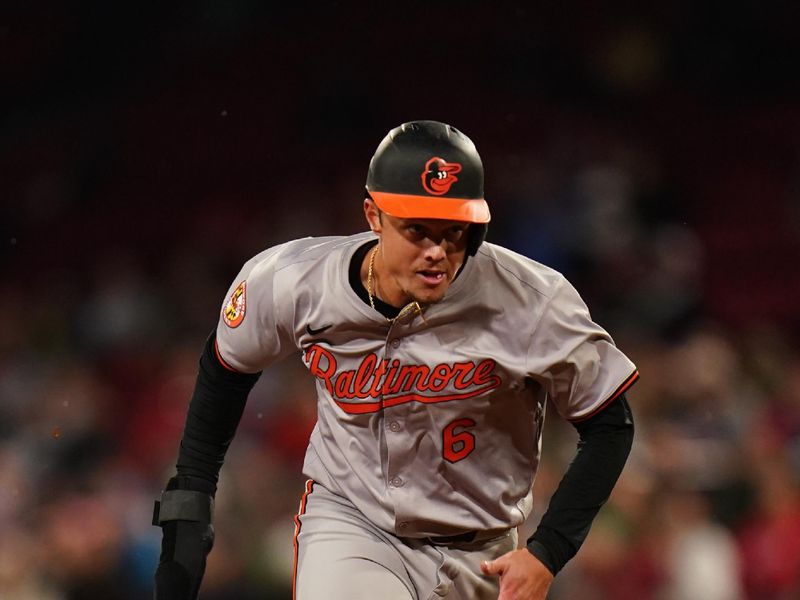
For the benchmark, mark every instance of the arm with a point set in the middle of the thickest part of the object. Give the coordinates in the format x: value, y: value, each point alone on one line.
x: 603, y: 448
x: 185, y: 509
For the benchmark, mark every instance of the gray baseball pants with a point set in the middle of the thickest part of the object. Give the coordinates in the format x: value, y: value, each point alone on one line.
x: 340, y: 555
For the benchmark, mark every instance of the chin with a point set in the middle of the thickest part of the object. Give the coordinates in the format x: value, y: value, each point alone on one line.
x: 429, y: 296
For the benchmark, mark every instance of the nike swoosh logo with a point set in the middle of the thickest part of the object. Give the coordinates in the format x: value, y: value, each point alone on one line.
x: 317, y: 331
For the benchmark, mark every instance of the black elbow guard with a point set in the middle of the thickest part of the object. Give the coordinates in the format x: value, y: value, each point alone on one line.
x: 185, y: 513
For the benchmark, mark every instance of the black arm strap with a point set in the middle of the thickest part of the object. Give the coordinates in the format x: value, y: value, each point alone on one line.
x: 183, y: 505
x: 605, y: 442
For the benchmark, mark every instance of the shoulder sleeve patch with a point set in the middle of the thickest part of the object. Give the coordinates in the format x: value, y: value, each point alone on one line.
x: 233, y: 313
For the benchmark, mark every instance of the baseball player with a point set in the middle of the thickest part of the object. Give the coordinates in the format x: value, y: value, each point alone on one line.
x: 434, y: 353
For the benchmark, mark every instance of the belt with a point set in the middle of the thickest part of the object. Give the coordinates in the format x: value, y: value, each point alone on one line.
x: 465, y: 538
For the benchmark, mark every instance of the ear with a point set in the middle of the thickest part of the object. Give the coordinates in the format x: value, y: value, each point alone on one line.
x: 372, y: 214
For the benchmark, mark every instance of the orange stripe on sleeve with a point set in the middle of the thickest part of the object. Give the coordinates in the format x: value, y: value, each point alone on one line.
x: 222, y: 360
x: 632, y: 378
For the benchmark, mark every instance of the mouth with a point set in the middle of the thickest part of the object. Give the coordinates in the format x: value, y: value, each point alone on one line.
x: 432, y: 277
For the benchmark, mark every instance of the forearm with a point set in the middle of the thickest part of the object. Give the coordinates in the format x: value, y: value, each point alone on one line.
x: 605, y: 442
x: 185, y: 509
x: 214, y: 413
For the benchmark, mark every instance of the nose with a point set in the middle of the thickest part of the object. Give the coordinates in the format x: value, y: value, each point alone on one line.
x: 436, y: 251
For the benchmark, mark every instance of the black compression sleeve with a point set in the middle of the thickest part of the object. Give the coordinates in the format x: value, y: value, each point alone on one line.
x: 605, y: 442
x: 214, y: 413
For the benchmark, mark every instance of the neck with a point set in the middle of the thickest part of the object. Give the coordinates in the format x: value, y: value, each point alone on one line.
x: 373, y: 265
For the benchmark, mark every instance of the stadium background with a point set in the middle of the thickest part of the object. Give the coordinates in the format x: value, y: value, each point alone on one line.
x: 652, y: 154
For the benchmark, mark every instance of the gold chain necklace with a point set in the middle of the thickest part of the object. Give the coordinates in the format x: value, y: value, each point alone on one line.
x: 369, y: 276
x: 413, y: 305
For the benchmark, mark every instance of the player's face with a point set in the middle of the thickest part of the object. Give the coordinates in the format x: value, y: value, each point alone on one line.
x: 417, y: 259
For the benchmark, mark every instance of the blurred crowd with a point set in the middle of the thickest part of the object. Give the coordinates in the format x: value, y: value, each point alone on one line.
x: 671, y: 202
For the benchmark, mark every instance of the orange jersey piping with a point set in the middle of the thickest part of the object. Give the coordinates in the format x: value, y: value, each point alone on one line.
x: 631, y: 379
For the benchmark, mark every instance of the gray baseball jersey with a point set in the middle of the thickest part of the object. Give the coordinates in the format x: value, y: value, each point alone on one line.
x: 430, y: 424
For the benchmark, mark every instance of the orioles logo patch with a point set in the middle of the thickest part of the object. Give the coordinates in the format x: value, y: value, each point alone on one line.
x: 233, y: 313
x: 439, y: 175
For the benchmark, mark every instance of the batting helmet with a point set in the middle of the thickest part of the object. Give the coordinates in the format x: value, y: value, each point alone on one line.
x: 430, y: 170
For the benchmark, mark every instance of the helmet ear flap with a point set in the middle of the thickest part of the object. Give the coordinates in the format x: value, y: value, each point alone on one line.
x: 477, y: 234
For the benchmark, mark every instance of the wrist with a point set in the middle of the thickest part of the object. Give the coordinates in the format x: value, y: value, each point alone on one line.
x: 543, y: 555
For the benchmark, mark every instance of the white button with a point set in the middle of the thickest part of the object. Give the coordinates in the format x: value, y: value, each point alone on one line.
x: 395, y: 426
x: 395, y: 342
x: 396, y: 482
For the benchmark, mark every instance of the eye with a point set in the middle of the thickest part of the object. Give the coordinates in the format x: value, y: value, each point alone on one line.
x: 456, y: 232
x: 415, y: 230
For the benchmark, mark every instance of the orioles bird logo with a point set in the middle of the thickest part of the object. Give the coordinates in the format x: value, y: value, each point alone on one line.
x: 439, y: 175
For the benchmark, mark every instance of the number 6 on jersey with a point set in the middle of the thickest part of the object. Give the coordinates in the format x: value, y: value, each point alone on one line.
x: 457, y: 446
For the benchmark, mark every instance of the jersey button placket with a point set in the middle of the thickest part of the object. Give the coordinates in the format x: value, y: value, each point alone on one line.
x: 396, y: 439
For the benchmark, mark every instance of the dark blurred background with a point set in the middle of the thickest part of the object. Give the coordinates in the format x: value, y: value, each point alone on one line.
x: 651, y: 153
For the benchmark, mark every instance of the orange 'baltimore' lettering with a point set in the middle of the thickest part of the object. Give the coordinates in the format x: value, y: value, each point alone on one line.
x: 397, y: 383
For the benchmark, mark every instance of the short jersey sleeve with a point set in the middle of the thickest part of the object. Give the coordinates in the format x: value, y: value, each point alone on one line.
x: 576, y: 359
x: 253, y: 331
